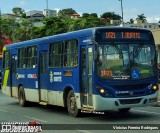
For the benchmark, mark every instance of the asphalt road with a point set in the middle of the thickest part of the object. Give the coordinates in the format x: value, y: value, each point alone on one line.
x: 10, y: 111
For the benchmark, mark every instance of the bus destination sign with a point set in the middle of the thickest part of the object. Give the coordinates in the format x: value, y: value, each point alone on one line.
x: 127, y: 35
x: 123, y: 35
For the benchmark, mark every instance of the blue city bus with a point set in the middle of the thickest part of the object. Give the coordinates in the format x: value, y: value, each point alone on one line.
x: 95, y: 69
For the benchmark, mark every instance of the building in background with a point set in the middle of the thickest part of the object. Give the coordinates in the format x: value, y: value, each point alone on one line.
x: 115, y: 22
x: 156, y: 34
x: 139, y: 24
x: 75, y: 16
x: 35, y: 15
x: 49, y: 13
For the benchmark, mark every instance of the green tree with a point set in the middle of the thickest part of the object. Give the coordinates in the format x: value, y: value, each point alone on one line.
x: 87, y: 15
x: 131, y: 21
x: 75, y: 24
x: 66, y: 12
x: 39, y: 32
x: 111, y: 15
x: 54, y: 25
x: 82, y: 23
x: 23, y: 31
x: 142, y: 18
x: 19, y: 12
x: 7, y: 26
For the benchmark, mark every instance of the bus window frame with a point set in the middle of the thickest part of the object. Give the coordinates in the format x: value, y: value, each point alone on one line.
x: 24, y: 58
x: 71, y: 54
x: 36, y: 57
x: 8, y: 67
x: 61, y: 54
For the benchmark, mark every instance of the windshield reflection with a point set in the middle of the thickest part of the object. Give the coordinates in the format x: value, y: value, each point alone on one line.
x: 123, y: 61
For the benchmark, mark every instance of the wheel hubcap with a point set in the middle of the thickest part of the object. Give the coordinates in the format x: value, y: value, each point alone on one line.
x: 72, y: 104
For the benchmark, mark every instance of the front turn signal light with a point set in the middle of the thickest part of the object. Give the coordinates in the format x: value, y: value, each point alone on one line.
x: 154, y: 87
x: 102, y: 91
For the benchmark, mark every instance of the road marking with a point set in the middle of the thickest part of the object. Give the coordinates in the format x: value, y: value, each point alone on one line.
x: 33, y: 118
x: 147, y: 112
x: 83, y: 131
x: 3, y: 110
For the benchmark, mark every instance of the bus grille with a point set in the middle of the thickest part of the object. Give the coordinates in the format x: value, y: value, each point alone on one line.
x: 130, y: 101
x: 130, y: 87
x: 128, y: 94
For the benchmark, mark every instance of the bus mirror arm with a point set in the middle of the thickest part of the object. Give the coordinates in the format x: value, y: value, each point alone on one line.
x: 96, y: 54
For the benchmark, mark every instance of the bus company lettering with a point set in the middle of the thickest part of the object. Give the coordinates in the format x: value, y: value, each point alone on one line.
x: 106, y: 73
x: 57, y: 73
x: 32, y: 76
x: 20, y: 76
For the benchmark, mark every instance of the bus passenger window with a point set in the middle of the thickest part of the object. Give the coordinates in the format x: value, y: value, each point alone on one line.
x: 55, y: 59
x: 6, y: 60
x: 22, y: 58
x: 71, y: 54
x: 31, y: 57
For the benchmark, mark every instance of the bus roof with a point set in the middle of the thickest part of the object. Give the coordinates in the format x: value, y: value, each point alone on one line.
x: 68, y: 35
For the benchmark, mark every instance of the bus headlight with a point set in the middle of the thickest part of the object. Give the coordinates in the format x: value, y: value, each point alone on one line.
x: 154, y: 87
x: 102, y: 91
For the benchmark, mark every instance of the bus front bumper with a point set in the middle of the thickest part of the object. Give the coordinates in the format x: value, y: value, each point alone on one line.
x: 103, y: 103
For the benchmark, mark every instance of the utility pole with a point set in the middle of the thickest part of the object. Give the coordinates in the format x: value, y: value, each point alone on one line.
x: 122, y: 12
x: 47, y: 8
x: 47, y: 4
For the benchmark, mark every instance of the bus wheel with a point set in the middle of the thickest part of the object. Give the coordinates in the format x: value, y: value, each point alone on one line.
x: 124, y: 110
x: 21, y: 97
x: 71, y: 105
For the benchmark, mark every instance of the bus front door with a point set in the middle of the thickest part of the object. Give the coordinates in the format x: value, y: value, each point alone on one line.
x: 13, y: 76
x: 43, y: 95
x: 86, y: 82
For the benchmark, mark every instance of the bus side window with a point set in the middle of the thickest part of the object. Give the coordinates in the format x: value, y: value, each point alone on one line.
x: 55, y: 59
x: 71, y: 53
x: 31, y: 57
x: 6, y: 60
x: 22, y: 58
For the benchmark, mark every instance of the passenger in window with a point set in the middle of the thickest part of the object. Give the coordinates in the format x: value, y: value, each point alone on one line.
x: 24, y: 65
x: 66, y: 64
x: 75, y: 62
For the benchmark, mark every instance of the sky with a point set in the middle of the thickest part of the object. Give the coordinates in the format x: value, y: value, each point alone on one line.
x: 131, y: 8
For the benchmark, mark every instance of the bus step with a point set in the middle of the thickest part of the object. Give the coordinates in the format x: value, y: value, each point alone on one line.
x: 14, y: 97
x: 42, y: 103
x: 88, y: 109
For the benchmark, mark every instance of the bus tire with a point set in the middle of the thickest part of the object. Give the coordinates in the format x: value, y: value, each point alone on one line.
x: 21, y: 97
x: 124, y: 110
x: 71, y: 105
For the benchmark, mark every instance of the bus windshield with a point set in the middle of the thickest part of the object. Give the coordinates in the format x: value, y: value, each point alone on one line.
x: 126, y: 61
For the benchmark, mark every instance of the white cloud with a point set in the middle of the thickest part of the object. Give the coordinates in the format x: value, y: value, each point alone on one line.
x: 154, y: 19
x: 22, y: 2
